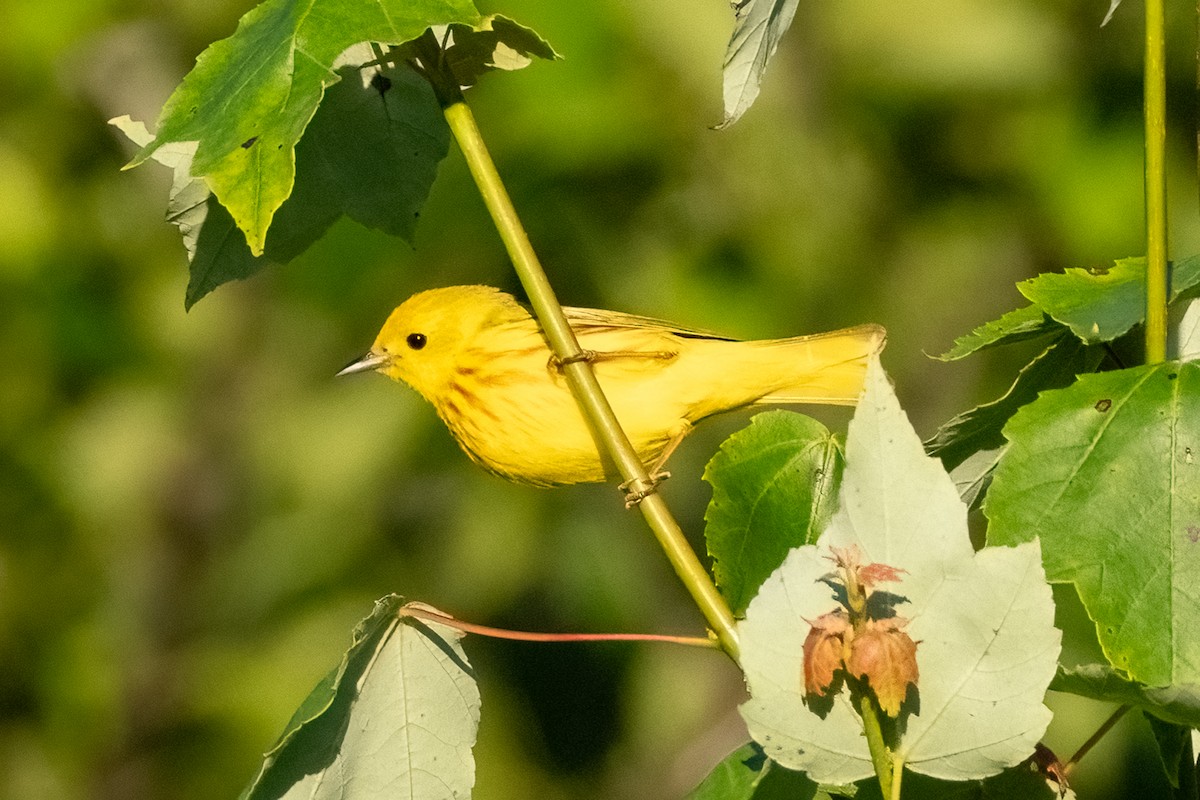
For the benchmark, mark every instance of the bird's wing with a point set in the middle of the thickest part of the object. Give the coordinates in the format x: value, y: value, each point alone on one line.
x: 587, y: 320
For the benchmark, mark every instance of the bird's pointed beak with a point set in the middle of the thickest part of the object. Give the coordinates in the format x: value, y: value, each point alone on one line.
x: 371, y: 361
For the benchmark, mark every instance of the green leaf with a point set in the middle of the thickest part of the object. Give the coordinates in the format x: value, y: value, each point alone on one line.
x: 974, y: 475
x: 1174, y: 748
x: 1105, y: 472
x: 1015, y: 326
x: 980, y: 428
x: 371, y: 152
x: 1188, y: 332
x: 495, y: 43
x: 1178, y: 704
x: 1100, y: 304
x: 774, y: 487
x: 396, y: 719
x: 747, y: 774
x: 758, y: 27
x: 250, y: 97
x: 984, y: 620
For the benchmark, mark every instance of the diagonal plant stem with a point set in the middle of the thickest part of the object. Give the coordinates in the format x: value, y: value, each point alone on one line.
x: 580, y: 377
x: 1155, y: 115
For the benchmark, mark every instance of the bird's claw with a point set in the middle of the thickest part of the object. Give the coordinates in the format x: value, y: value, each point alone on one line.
x: 557, y: 363
x: 637, y: 490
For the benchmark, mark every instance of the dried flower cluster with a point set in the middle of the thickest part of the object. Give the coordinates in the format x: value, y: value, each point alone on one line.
x: 861, y: 637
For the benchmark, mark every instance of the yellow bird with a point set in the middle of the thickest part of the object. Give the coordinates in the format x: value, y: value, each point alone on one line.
x: 481, y: 359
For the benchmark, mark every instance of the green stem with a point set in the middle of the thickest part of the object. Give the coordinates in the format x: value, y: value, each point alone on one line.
x: 1155, y: 113
x: 881, y: 757
x: 1095, y: 738
x: 580, y: 377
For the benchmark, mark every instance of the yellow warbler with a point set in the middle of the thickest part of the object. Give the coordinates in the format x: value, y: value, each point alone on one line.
x: 481, y: 359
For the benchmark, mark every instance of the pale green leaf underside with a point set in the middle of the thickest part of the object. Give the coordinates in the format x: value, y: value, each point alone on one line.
x: 397, y: 719
x: 984, y: 621
x: 1106, y: 472
x: 758, y: 27
x: 774, y: 488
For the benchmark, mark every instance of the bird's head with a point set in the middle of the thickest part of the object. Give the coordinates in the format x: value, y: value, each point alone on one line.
x: 426, y: 337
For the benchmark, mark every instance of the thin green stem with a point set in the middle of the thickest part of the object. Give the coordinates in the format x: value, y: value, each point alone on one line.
x: 580, y: 377
x: 881, y: 757
x: 1155, y: 113
x: 1095, y: 738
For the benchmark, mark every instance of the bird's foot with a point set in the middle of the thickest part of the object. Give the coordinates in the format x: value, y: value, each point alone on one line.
x: 556, y: 364
x: 637, y: 490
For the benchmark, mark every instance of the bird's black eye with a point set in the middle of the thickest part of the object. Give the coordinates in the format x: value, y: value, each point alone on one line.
x: 416, y: 340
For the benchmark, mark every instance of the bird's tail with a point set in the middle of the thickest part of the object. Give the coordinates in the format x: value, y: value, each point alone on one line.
x: 823, y: 367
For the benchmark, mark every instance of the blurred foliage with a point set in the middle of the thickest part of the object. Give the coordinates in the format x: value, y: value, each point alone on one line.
x: 194, y: 514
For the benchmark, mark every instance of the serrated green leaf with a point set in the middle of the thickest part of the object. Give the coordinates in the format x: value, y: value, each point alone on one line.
x: 757, y: 29
x: 980, y: 428
x: 1105, y: 472
x: 774, y: 488
x: 1015, y: 326
x: 984, y: 620
x: 396, y: 719
x: 250, y: 97
x: 371, y: 152
x: 1179, y: 704
x: 497, y: 42
x: 1099, y: 305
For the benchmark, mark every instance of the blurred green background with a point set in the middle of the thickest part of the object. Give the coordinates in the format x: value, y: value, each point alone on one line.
x: 194, y: 513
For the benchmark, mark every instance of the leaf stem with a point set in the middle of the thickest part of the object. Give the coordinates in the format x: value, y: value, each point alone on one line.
x: 1086, y: 747
x: 1155, y: 115
x: 580, y: 377
x: 426, y: 613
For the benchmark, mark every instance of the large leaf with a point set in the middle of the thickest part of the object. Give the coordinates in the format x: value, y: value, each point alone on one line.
x: 774, y: 488
x: 397, y: 719
x: 250, y: 97
x: 371, y: 152
x: 984, y: 620
x: 1100, y: 304
x: 1105, y: 472
x: 758, y: 27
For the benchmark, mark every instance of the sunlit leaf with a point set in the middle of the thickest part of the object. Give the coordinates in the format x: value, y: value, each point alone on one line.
x: 371, y: 152
x: 250, y: 97
x: 1100, y: 304
x: 1106, y: 473
x: 758, y: 27
x: 1015, y: 326
x: 774, y: 487
x: 396, y: 719
x: 984, y: 621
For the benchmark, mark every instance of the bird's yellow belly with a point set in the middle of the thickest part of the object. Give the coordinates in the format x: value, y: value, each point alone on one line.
x: 537, y: 434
